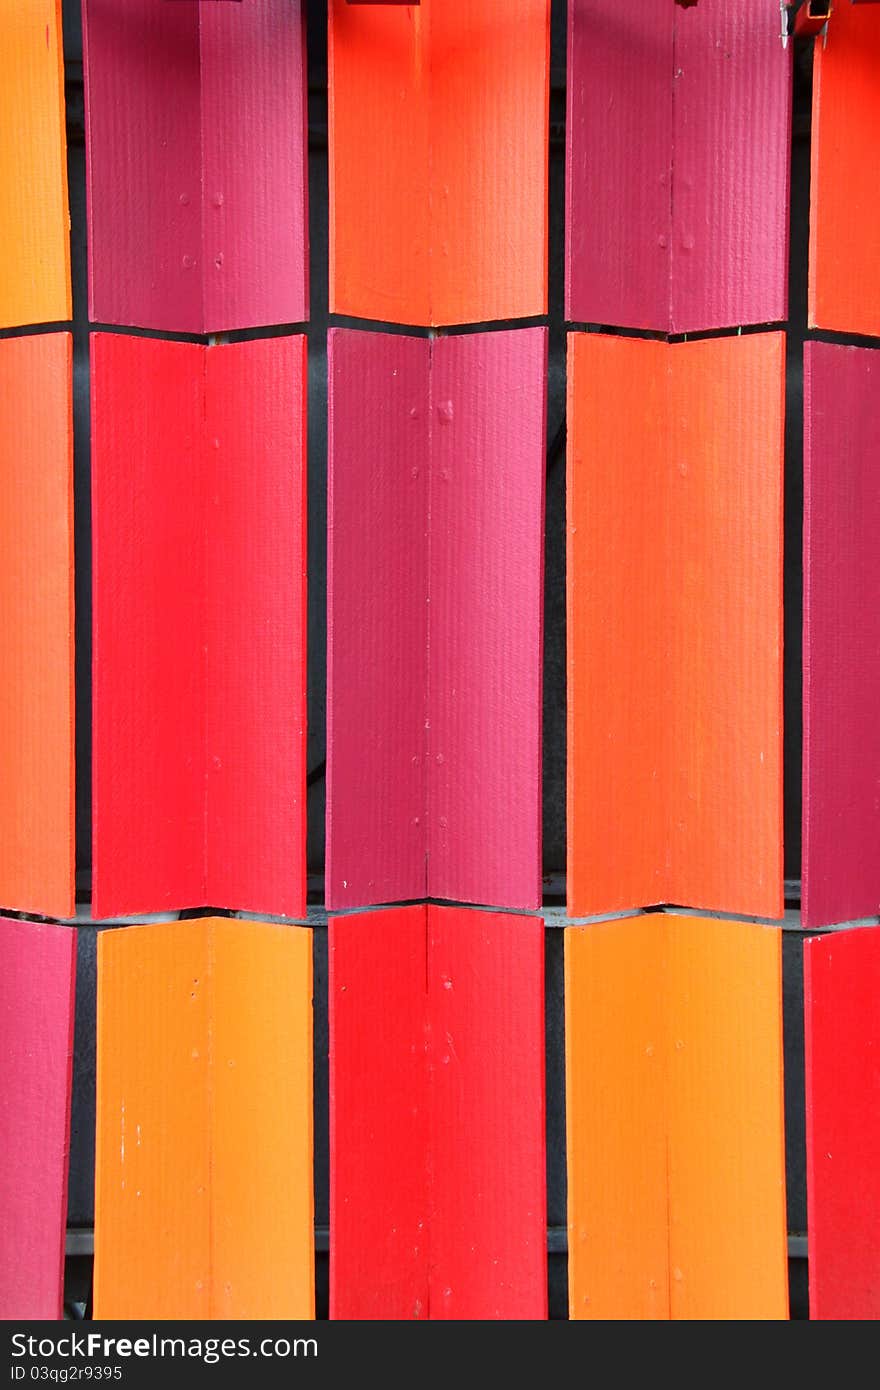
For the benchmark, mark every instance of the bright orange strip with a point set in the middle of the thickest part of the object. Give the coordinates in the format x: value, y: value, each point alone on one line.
x: 844, y: 191
x: 204, y: 1134
x: 674, y: 1113
x: 36, y: 626
x: 438, y: 160
x: 727, y: 1226
x: 675, y: 623
x: 34, y: 219
x: 615, y: 1119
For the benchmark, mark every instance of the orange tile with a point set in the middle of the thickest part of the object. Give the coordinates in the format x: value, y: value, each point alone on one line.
x: 728, y: 1240
x: 615, y: 1119
x: 675, y: 623
x: 36, y: 626
x: 674, y: 1115
x: 204, y: 1133
x: 34, y: 218
x: 438, y: 122
x: 844, y: 192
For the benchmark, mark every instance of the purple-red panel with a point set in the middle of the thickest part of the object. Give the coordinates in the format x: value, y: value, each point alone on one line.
x: 196, y: 160
x: 377, y: 584
x: 841, y: 755
x: 437, y: 1150
x: 842, y: 1034
x: 485, y: 618
x: 435, y: 550
x: 679, y: 124
x: 37, y: 979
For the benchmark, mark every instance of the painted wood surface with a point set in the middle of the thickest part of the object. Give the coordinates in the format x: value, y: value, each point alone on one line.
x: 437, y: 1164
x: 675, y: 623
x: 36, y: 626
x: 34, y: 217
x: 196, y: 141
x: 435, y: 557
x: 204, y: 1144
x: 841, y: 757
x: 842, y: 1045
x: 845, y: 149
x: 198, y: 495
x: 678, y: 150
x: 674, y: 1119
x: 438, y: 124
x: 37, y: 973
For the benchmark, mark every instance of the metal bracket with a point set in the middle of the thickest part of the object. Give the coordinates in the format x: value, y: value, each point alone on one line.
x: 807, y: 19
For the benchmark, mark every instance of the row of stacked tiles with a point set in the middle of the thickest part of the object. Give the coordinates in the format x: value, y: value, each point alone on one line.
x: 204, y: 1201
x: 434, y: 633
x: 438, y: 155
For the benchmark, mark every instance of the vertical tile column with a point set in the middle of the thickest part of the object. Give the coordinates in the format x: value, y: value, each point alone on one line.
x: 438, y: 216
x: 197, y: 173
x: 678, y: 151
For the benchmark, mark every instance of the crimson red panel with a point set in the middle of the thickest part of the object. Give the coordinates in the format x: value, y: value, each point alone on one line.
x: 841, y: 763
x: 842, y: 1033
x: 488, y: 1218
x: 437, y: 1202
x: 379, y: 1121
x: 199, y: 615
x: 435, y: 550
x: 148, y: 675
x: 37, y: 975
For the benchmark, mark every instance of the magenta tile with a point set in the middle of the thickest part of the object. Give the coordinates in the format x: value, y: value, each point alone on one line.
x: 196, y: 159
x: 841, y: 752
x: 435, y: 549
x: 679, y: 124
